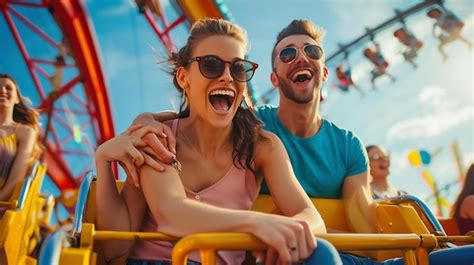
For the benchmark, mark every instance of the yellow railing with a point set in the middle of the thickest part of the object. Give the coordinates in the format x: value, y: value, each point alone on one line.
x: 402, y: 233
x: 208, y: 243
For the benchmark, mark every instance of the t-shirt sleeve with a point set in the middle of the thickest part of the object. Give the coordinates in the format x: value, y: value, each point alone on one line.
x: 264, y: 113
x: 259, y: 112
x: 357, y: 161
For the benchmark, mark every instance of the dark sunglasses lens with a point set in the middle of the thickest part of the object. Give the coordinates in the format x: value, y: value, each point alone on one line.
x: 288, y: 54
x: 242, y: 70
x: 211, y: 66
x: 313, y: 51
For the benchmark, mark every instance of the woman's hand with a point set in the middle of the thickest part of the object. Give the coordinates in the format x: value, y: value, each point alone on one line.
x: 289, y: 240
x: 126, y: 150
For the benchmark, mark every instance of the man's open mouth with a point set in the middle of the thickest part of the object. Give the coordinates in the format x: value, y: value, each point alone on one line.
x: 301, y: 76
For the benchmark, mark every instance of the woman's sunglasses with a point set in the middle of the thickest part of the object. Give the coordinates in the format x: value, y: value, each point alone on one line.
x: 212, y: 67
x: 288, y: 54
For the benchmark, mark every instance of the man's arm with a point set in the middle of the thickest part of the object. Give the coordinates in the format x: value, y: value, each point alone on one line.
x: 358, y: 202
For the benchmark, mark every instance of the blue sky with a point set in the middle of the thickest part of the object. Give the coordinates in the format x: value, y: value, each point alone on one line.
x: 427, y: 108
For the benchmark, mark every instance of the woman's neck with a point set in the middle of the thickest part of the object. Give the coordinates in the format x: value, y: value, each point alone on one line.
x: 6, y: 117
x: 205, y: 139
x: 380, y: 184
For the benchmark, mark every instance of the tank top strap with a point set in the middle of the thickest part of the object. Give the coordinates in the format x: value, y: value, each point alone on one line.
x: 174, y: 126
x: 17, y: 125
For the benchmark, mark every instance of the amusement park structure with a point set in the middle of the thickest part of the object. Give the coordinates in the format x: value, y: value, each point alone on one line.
x: 70, y: 87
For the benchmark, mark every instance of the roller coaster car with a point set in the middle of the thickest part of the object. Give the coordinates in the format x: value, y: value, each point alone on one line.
x: 407, y: 38
x: 402, y: 232
x: 376, y: 58
x: 19, y: 225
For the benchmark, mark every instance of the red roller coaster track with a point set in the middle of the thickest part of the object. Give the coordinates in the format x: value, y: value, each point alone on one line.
x: 82, y: 97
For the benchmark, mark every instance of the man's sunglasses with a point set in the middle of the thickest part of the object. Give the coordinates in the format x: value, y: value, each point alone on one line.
x: 289, y: 54
x: 376, y: 157
x: 212, y: 67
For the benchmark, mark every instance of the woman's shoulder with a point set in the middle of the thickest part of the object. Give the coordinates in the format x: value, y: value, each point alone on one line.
x: 466, y: 210
x: 267, y: 142
x: 24, y: 131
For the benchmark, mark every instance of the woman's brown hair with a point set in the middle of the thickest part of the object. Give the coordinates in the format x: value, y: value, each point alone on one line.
x: 468, y: 189
x: 246, y: 127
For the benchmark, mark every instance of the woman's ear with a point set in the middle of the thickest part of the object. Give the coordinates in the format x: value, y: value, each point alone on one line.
x: 181, y: 77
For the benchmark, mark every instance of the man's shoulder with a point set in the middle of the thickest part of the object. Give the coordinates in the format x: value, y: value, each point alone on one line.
x: 338, y: 130
x: 265, y: 112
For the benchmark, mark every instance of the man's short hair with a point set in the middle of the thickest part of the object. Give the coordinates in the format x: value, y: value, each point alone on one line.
x: 299, y: 27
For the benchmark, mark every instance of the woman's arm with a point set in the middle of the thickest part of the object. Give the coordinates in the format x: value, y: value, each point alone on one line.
x: 26, y: 137
x: 120, y: 211
x: 272, y: 160
x: 179, y: 216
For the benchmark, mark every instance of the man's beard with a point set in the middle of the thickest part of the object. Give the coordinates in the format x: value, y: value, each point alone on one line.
x: 290, y: 94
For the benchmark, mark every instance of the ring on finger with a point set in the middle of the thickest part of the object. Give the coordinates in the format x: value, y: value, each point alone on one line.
x: 291, y: 249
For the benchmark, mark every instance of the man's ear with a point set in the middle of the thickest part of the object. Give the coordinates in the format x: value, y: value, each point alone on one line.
x: 181, y: 77
x: 325, y: 73
x: 274, y: 79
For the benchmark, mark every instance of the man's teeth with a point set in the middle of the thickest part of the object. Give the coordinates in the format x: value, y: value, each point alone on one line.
x: 302, y: 72
x: 223, y: 92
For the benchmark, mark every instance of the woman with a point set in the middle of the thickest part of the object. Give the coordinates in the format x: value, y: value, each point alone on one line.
x: 379, y: 163
x: 224, y: 154
x: 463, y: 208
x: 18, y: 136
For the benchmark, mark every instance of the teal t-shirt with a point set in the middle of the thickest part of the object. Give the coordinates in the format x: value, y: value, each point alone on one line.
x: 321, y: 162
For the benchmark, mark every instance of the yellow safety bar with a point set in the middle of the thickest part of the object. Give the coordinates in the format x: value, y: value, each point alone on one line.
x: 208, y: 243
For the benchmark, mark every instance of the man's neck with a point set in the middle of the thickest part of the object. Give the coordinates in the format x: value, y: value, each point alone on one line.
x: 302, y: 120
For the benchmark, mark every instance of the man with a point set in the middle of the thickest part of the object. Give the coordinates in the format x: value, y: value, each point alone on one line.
x: 329, y: 162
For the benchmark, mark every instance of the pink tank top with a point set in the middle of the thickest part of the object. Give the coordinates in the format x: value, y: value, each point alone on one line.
x: 237, y: 189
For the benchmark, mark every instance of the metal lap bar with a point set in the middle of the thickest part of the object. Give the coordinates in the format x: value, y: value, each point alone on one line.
x: 469, y: 238
x: 119, y: 235
x: 26, y: 186
x: 51, y: 248
x: 82, y: 202
x: 209, y: 243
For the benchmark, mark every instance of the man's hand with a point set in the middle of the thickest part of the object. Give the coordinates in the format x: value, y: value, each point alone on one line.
x: 162, y: 143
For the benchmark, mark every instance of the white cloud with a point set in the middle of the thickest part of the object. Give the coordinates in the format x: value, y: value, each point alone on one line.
x: 431, y: 125
x: 468, y: 158
x: 431, y: 94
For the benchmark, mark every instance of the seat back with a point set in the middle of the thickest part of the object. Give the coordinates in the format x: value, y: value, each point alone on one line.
x: 332, y: 211
x: 19, y: 229
x: 83, y: 250
x: 391, y: 218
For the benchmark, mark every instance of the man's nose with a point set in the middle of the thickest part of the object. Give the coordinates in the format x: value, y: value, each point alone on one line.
x: 301, y: 57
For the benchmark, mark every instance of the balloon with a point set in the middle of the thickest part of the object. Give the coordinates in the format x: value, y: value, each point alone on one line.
x: 414, y: 158
x: 425, y: 157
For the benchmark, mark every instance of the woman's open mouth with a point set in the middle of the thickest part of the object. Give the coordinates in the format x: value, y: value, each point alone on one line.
x: 222, y: 100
